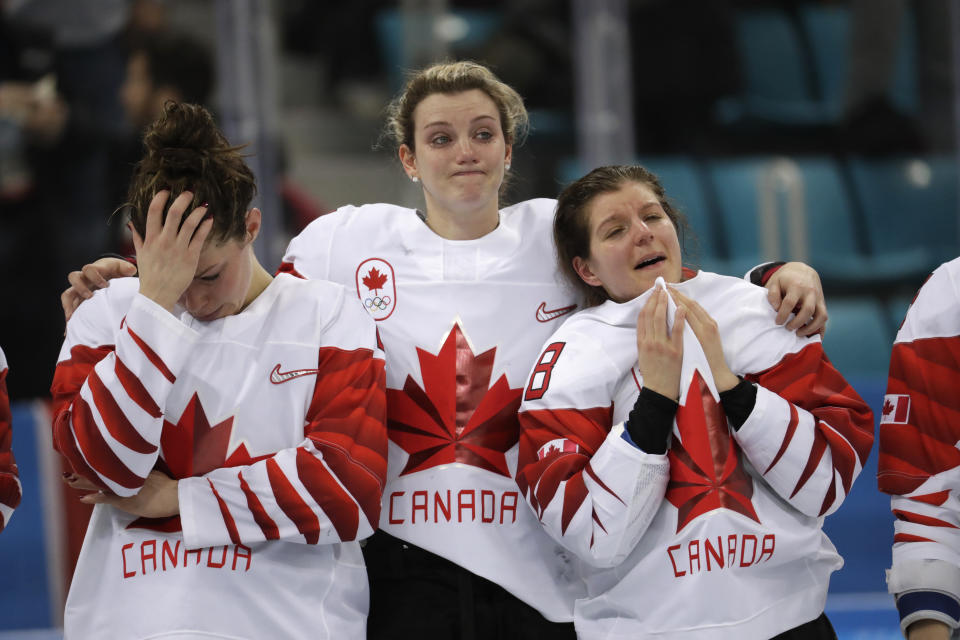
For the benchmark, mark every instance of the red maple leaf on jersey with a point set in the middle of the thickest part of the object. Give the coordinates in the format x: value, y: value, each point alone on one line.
x: 374, y: 280
x: 887, y: 407
x: 192, y: 448
x: 705, y: 468
x: 456, y: 416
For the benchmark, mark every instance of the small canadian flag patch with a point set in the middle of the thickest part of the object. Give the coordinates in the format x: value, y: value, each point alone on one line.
x: 560, y: 445
x: 896, y: 409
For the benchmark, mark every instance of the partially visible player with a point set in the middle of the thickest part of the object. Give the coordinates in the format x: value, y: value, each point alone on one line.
x: 679, y: 439
x: 10, y: 489
x: 233, y: 422
x: 464, y: 292
x: 919, y: 464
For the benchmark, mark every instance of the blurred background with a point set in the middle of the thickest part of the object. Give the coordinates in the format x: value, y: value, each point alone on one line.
x: 822, y: 131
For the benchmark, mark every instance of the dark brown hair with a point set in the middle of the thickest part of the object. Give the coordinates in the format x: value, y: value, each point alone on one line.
x: 455, y: 77
x: 571, y: 226
x: 185, y: 151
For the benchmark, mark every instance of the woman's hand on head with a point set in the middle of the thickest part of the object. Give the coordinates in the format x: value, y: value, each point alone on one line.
x: 168, y: 254
x: 795, y: 288
x: 659, y: 351
x: 708, y: 334
x: 158, y: 498
x: 91, y: 277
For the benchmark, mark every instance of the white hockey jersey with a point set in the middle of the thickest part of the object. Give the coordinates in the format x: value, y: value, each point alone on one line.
x: 721, y: 536
x: 919, y: 463
x: 460, y: 323
x: 10, y: 489
x: 272, y: 419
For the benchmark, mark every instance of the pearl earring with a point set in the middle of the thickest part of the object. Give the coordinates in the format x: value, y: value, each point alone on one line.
x: 507, y: 167
x: 414, y: 179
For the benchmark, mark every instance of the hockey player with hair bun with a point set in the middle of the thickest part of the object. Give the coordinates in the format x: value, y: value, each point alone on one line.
x: 919, y: 465
x: 10, y: 489
x: 463, y: 292
x: 679, y: 440
x: 231, y: 423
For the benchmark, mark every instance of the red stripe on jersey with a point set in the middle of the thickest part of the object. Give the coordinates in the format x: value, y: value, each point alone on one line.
x: 936, y: 499
x: 808, y: 380
x: 816, y: 454
x: 264, y: 521
x: 70, y: 374
x: 64, y: 443
x: 909, y: 457
x: 96, y: 450
x: 596, y: 520
x: 114, y: 419
x: 558, y: 469
x: 135, y: 389
x: 587, y: 428
x: 928, y: 370
x: 844, y: 457
x: 788, y: 436
x: 574, y: 494
x: 152, y: 356
x: 349, y: 405
x: 287, y: 267
x: 828, y: 497
x: 227, y: 517
x: 909, y: 537
x: 590, y: 472
x: 9, y: 488
x: 328, y: 493
x: 292, y: 504
x: 917, y: 518
x: 361, y: 482
x: 9, y: 491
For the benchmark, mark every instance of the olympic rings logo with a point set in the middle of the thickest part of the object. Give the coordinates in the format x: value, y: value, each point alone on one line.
x: 377, y: 303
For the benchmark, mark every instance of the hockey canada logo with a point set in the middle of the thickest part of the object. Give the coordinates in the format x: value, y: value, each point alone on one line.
x: 376, y: 288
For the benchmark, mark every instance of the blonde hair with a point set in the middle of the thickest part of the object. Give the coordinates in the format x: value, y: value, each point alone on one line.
x: 455, y: 77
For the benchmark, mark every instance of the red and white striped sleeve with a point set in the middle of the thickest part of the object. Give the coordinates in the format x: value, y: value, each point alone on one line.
x: 919, y: 462
x: 809, y: 433
x: 325, y: 490
x: 594, y: 491
x: 10, y: 489
x: 110, y: 383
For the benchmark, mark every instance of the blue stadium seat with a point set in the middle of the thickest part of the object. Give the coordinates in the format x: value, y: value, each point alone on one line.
x: 858, y: 339
x: 910, y: 205
x: 734, y: 184
x: 827, y: 28
x: 776, y: 83
x: 809, y: 216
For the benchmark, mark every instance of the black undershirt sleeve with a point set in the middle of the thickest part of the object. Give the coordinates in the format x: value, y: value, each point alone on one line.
x: 760, y: 274
x: 738, y: 402
x: 651, y: 421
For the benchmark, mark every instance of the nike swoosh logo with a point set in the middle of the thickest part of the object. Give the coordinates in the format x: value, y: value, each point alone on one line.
x: 279, y: 377
x: 546, y: 315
